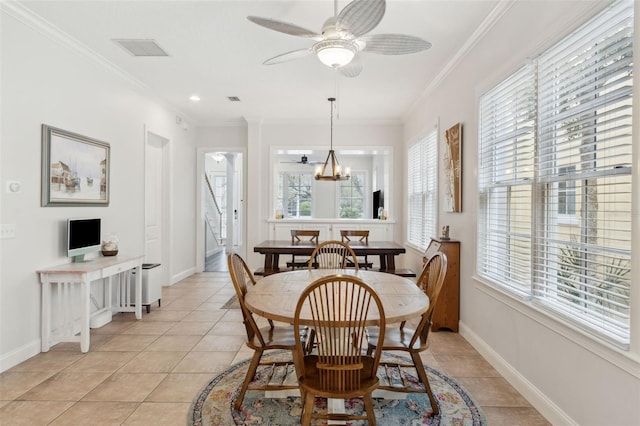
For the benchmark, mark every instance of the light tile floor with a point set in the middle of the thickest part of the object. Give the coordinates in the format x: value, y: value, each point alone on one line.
x: 148, y: 372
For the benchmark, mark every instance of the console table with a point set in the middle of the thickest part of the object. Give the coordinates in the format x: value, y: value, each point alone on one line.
x: 73, y: 282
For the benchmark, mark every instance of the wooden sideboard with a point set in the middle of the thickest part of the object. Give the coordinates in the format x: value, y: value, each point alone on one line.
x: 447, y: 312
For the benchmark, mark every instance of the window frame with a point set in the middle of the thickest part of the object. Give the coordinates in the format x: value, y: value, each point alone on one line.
x: 422, y: 189
x: 365, y: 194
x: 551, y: 157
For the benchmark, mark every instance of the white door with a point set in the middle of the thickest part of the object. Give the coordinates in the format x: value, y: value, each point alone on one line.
x: 155, y: 184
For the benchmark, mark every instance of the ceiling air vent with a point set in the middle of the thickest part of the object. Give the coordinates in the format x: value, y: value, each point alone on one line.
x: 233, y: 98
x: 140, y: 47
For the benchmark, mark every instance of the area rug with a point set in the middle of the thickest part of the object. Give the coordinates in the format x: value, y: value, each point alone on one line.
x: 214, y: 404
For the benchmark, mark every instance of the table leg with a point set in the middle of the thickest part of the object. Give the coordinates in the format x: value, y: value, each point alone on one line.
x: 271, y: 261
x: 138, y: 301
x: 45, y: 334
x: 383, y: 262
x: 85, y: 295
x: 391, y: 262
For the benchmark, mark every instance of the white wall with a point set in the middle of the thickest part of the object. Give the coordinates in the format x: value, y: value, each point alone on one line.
x: 570, y: 378
x: 45, y: 81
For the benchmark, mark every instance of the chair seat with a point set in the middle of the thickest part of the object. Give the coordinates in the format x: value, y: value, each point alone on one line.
x: 311, y: 381
x: 396, y: 338
x: 276, y: 338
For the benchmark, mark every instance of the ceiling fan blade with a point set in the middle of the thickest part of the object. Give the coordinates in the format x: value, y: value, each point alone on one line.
x: 393, y: 44
x: 285, y: 27
x: 361, y: 16
x: 289, y: 56
x: 353, y: 68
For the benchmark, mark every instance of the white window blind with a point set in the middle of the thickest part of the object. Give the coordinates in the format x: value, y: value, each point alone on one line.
x: 506, y: 165
x: 422, y: 173
x: 585, y: 92
x: 556, y: 141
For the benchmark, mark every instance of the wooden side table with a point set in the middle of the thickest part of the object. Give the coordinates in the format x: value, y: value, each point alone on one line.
x: 447, y: 312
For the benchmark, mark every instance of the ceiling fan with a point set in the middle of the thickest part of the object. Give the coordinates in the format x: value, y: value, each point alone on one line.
x: 303, y: 160
x: 344, y: 36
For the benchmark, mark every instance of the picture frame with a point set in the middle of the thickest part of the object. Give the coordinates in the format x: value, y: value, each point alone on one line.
x: 453, y: 168
x: 75, y: 169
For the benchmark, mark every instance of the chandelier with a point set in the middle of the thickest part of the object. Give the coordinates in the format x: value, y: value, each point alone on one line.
x: 332, y: 160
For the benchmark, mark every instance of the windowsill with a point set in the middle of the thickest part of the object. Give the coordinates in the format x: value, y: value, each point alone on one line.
x: 626, y: 360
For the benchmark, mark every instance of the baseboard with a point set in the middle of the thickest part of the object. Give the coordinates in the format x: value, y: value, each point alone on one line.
x: 19, y: 355
x: 182, y: 275
x: 536, y: 398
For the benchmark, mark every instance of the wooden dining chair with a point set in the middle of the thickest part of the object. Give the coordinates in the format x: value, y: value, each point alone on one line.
x: 339, y: 306
x: 413, y: 341
x: 357, y: 236
x: 332, y: 254
x: 306, y: 236
x: 261, y: 339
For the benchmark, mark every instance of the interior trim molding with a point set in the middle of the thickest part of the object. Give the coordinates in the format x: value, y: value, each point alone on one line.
x: 625, y: 360
x: 485, y: 26
x: 182, y: 275
x: 554, y: 414
x: 47, y: 29
x: 23, y: 353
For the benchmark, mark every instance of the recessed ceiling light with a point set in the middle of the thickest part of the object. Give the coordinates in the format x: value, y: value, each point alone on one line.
x: 194, y: 98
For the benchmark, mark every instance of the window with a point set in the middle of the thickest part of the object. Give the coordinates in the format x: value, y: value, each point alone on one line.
x: 352, y: 196
x: 569, y: 114
x: 294, y: 193
x: 566, y: 193
x: 422, y: 172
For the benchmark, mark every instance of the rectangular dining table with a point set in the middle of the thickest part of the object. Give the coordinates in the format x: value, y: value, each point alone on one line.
x: 386, y: 250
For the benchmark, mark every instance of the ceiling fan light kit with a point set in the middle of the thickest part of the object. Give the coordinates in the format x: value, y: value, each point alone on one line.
x: 335, y: 53
x: 332, y: 161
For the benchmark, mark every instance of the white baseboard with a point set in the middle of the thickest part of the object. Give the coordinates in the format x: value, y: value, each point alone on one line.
x: 182, y: 275
x: 536, y: 398
x: 19, y: 355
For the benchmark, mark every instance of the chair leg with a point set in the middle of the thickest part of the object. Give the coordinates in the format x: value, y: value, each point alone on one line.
x: 368, y: 406
x: 422, y: 374
x: 253, y: 366
x: 307, y: 410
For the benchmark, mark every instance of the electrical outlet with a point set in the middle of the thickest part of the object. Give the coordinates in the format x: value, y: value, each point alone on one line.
x: 7, y: 231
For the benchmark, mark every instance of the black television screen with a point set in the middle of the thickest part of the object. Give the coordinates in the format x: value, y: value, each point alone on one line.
x: 378, y: 202
x: 83, y: 237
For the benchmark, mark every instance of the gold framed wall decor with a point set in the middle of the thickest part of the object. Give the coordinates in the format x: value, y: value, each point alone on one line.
x: 453, y: 168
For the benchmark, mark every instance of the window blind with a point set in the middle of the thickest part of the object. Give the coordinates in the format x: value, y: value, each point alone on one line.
x: 505, y: 179
x: 555, y: 155
x: 585, y: 91
x: 422, y: 172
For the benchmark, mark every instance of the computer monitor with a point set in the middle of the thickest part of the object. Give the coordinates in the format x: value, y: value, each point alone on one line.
x: 83, y: 237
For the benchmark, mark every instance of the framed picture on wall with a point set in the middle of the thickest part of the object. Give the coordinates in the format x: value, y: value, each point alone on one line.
x: 75, y: 169
x: 453, y: 168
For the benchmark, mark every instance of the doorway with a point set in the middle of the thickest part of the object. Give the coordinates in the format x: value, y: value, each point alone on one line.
x: 221, y: 206
x: 156, y: 218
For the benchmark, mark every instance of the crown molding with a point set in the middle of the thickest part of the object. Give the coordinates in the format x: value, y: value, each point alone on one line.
x: 26, y: 16
x: 485, y: 26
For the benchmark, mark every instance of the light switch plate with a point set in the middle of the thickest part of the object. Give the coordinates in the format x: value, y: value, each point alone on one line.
x: 14, y: 187
x: 8, y: 230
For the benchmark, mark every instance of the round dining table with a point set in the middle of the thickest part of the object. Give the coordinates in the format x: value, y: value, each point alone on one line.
x: 275, y: 296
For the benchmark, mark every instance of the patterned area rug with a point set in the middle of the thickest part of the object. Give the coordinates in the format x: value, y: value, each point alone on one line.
x: 213, y: 405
